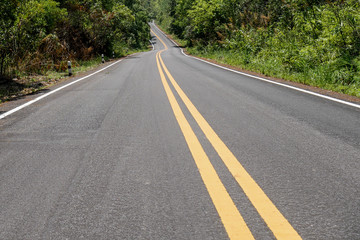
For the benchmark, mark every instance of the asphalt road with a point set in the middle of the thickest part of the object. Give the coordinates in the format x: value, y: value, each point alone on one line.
x: 164, y: 146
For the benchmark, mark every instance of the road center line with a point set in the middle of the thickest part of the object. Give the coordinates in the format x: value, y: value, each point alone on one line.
x: 234, y: 224
x: 276, y: 222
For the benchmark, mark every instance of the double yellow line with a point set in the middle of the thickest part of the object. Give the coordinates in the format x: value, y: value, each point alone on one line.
x: 233, y: 222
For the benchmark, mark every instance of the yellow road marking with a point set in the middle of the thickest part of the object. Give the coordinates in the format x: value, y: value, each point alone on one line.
x: 234, y: 224
x: 276, y: 222
x: 160, y: 41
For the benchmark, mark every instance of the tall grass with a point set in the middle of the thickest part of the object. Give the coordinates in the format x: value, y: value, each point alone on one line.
x: 322, y: 76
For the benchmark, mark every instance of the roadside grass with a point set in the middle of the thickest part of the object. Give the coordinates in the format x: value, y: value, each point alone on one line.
x: 25, y: 84
x: 321, y: 76
x: 326, y: 76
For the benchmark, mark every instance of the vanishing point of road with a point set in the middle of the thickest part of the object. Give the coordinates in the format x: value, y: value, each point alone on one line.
x: 160, y: 145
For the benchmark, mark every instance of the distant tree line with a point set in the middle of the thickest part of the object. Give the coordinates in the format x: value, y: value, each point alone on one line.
x: 37, y: 34
x: 316, y: 38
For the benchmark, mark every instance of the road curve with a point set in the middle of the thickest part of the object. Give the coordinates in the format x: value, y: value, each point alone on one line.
x: 163, y: 146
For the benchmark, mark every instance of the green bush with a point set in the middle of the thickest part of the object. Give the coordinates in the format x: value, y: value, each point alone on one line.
x: 36, y: 35
x: 312, y: 42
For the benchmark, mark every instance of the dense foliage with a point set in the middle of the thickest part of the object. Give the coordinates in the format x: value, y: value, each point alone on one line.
x: 38, y: 34
x: 316, y: 42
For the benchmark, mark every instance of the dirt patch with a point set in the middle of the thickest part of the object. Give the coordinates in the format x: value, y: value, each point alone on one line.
x: 17, y: 88
x: 20, y: 87
x: 19, y: 91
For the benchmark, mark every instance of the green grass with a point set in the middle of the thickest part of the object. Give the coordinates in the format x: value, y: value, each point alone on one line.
x: 322, y: 76
x: 311, y: 67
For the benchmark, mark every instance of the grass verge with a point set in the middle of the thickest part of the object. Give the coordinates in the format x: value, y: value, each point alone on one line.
x: 322, y: 76
x: 317, y: 76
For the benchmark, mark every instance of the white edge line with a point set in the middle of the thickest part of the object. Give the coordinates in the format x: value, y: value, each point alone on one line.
x: 266, y: 80
x: 53, y: 91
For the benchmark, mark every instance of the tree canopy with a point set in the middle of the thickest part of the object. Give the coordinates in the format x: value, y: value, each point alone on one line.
x: 34, y: 33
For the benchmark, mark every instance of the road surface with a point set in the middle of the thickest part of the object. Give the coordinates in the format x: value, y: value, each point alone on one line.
x: 164, y: 146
